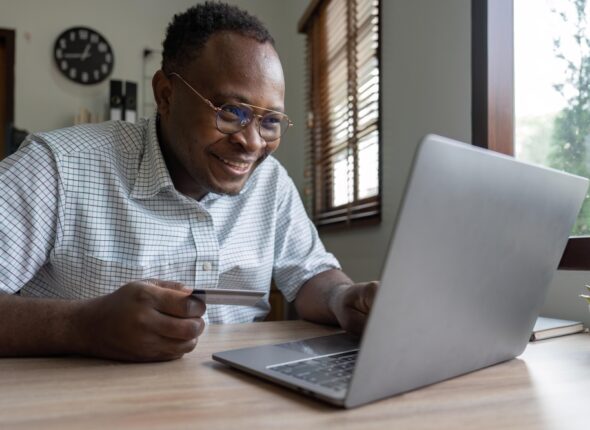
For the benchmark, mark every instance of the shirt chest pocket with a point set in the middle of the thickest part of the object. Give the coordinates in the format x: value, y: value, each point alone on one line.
x: 97, y: 276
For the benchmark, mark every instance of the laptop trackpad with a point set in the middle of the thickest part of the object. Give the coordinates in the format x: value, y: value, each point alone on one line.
x: 324, y: 345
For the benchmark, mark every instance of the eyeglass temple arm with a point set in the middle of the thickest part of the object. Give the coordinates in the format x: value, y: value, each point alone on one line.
x: 217, y: 109
x: 211, y: 105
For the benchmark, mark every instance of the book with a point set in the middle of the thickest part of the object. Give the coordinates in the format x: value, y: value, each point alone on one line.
x: 546, y: 328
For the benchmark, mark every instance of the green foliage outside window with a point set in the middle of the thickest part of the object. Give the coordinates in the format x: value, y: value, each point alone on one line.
x: 568, y: 145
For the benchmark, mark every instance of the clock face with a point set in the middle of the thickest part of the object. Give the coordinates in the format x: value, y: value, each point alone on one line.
x: 83, y: 55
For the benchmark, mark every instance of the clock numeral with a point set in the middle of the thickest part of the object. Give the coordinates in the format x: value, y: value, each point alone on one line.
x: 102, y: 47
x: 72, y: 36
x: 96, y: 74
x: 58, y: 54
x: 84, y: 76
x: 108, y: 58
x: 104, y: 68
x: 94, y: 38
x: 62, y: 43
x: 83, y: 34
x: 73, y: 73
x: 64, y: 65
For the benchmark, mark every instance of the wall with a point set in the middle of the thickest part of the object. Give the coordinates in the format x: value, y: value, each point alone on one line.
x: 425, y: 89
x: 45, y: 100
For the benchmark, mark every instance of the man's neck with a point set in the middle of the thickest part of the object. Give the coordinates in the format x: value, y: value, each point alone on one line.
x: 183, y: 183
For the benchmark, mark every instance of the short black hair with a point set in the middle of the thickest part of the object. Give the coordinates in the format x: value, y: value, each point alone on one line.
x: 188, y: 32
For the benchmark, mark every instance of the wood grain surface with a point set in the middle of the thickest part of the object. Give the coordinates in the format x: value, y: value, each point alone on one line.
x: 548, y: 387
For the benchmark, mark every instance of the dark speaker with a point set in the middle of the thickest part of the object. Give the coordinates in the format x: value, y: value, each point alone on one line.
x: 130, y: 101
x: 116, y: 111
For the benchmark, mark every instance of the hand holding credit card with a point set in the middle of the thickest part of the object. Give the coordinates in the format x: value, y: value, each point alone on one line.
x: 214, y: 296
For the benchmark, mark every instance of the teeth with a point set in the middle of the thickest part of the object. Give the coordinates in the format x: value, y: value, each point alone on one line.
x: 235, y: 164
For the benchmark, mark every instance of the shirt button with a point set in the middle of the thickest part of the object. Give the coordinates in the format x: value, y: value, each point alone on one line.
x: 207, y: 266
x: 201, y: 217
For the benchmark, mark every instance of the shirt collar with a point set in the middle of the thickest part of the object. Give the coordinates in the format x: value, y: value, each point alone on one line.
x: 152, y: 176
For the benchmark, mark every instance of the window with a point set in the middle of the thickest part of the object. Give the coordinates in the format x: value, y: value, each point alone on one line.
x: 552, y: 77
x: 343, y: 163
x: 543, y: 115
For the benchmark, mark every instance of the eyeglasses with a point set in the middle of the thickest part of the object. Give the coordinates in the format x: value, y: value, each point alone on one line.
x: 231, y: 118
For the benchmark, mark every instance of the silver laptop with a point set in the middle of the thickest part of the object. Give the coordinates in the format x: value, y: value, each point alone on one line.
x: 475, y: 246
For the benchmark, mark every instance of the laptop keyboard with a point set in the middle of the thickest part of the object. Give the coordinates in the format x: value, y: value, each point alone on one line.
x: 330, y: 371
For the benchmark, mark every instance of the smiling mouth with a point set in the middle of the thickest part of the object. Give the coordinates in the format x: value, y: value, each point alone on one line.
x: 239, y: 166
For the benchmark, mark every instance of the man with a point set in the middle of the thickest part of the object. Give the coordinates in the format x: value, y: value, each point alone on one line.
x: 106, y: 229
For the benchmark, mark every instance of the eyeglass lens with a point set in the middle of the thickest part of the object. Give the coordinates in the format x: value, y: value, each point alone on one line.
x: 233, y: 118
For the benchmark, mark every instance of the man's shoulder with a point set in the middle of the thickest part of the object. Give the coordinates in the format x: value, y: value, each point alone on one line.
x: 110, y: 135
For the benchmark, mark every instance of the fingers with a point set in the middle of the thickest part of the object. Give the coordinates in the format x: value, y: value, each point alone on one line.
x: 145, y: 321
x: 168, y: 337
x: 361, y: 299
x: 355, y: 322
x: 173, y: 298
x: 183, y: 307
x: 159, y: 348
x: 176, y: 328
x: 367, y: 296
x: 170, y: 285
x: 362, y: 296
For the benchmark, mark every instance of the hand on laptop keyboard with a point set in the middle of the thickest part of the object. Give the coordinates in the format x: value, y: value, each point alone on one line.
x: 351, y: 305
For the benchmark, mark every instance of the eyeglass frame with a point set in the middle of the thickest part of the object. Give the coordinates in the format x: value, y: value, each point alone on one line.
x: 217, y: 109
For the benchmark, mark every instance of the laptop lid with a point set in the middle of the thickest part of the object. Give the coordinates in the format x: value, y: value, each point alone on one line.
x: 476, y: 243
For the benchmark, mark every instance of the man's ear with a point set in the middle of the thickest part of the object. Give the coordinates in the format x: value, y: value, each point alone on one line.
x: 162, y: 92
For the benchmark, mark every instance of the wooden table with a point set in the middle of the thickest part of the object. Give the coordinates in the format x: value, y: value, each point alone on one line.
x: 548, y: 387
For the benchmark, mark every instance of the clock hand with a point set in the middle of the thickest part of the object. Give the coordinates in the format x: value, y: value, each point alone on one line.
x: 86, y: 53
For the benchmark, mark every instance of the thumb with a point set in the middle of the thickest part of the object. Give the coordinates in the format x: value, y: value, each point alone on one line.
x: 368, y: 295
x: 170, y: 285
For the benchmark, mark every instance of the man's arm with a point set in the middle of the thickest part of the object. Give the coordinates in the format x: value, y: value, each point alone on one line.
x: 141, y: 321
x: 331, y: 297
x: 31, y: 326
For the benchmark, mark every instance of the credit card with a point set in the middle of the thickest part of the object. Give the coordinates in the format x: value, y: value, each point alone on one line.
x: 214, y: 296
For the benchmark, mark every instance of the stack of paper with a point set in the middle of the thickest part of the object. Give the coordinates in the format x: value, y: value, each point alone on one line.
x: 553, y: 327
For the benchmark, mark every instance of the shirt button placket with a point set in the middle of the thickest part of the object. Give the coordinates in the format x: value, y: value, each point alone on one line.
x: 205, y: 239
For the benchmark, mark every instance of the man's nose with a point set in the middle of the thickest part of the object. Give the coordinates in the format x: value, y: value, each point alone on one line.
x: 249, y: 137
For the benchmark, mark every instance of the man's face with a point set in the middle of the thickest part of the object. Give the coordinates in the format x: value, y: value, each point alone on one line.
x: 230, y: 69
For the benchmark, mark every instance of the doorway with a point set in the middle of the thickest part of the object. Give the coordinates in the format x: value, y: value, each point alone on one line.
x: 6, y: 87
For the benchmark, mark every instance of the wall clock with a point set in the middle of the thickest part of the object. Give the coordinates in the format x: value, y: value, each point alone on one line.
x: 83, y: 55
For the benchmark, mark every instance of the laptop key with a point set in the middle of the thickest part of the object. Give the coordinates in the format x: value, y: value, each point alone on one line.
x: 332, y: 371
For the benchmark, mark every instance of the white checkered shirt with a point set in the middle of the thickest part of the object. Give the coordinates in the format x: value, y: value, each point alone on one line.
x: 86, y: 209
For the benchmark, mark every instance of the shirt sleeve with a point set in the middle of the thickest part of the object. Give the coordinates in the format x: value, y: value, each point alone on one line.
x: 28, y: 213
x: 299, y: 252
